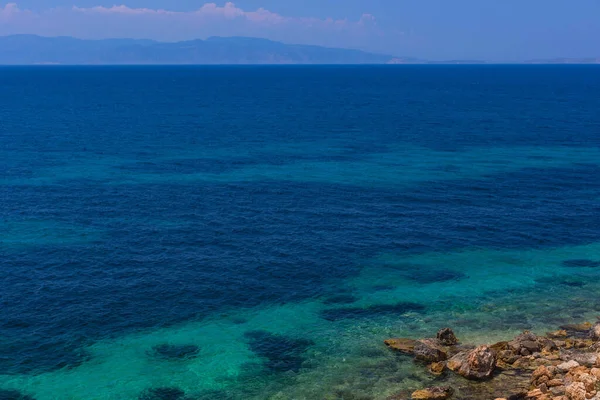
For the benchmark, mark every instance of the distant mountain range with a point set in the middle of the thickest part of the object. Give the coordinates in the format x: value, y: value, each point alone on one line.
x: 31, y: 49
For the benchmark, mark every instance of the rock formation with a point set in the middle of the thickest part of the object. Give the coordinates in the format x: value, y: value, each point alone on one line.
x: 562, y: 365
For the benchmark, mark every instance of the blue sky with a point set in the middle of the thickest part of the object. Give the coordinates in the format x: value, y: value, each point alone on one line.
x: 433, y: 29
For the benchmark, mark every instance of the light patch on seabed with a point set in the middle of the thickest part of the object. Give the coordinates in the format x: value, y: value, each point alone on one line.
x: 498, y: 294
x: 401, y: 166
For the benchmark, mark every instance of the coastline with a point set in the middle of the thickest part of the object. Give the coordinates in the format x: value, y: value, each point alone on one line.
x: 560, y: 365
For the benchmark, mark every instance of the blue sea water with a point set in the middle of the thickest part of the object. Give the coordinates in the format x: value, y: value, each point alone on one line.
x: 257, y: 232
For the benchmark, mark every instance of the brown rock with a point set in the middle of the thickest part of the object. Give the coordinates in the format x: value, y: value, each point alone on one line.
x: 525, y: 344
x: 437, y: 368
x: 523, y: 363
x: 476, y: 364
x: 429, y: 350
x: 402, y: 345
x: 544, y: 388
x: 588, y: 381
x: 583, y: 343
x: 500, y: 346
x: 435, y: 393
x: 595, y: 332
x: 456, y: 362
x: 562, y: 333
x: 534, y: 394
x: 547, y: 344
x: 554, y: 383
x: 575, y: 391
x: 577, y: 328
x: 539, y: 372
x: 541, y: 380
x: 595, y: 372
x: 446, y: 337
x: 537, y: 394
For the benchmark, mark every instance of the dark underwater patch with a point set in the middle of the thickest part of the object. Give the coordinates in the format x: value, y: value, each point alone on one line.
x: 337, y: 314
x: 9, y: 394
x: 341, y: 299
x: 239, y: 320
x: 167, y: 351
x: 383, y: 288
x: 281, y: 353
x: 164, y: 393
x: 33, y: 361
x: 425, y: 276
x: 561, y: 281
x: 581, y: 263
x: 215, y: 394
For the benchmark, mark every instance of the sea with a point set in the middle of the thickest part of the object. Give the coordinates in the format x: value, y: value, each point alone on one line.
x: 256, y: 233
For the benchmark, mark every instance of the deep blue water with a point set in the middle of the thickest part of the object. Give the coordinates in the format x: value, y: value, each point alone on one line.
x: 140, y: 198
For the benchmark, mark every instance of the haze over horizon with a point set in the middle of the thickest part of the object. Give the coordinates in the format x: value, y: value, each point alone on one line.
x: 430, y: 29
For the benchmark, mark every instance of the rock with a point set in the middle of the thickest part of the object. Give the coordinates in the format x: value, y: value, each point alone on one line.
x: 446, y: 337
x: 586, y: 326
x: 561, y: 333
x: 539, y: 372
x: 588, y: 381
x: 525, y: 344
x: 435, y: 393
x: 534, y: 394
x: 402, y: 345
x: 595, y: 372
x: 456, y: 362
x: 429, y: 350
x: 477, y: 364
x: 547, y: 344
x: 587, y: 359
x: 595, y: 332
x: 554, y: 383
x: 507, y: 356
x: 575, y: 391
x: 437, y: 368
x: 566, y: 366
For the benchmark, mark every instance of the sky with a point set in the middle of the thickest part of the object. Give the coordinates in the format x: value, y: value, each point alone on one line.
x: 501, y: 30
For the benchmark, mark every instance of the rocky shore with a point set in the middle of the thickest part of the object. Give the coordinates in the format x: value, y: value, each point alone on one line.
x: 560, y: 365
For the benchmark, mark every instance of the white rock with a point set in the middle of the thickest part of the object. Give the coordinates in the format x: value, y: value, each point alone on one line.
x: 566, y: 366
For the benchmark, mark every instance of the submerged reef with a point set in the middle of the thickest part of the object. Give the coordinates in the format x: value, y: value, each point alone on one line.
x: 164, y: 393
x: 167, y: 351
x: 281, y: 353
x: 561, y: 365
x: 14, y: 395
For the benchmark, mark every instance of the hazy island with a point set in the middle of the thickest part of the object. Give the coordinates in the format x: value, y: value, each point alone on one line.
x: 38, y: 50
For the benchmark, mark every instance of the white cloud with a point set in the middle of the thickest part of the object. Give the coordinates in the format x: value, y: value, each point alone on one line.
x: 229, y: 12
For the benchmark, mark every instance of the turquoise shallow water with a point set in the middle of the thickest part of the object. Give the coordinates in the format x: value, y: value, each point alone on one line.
x: 256, y: 233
